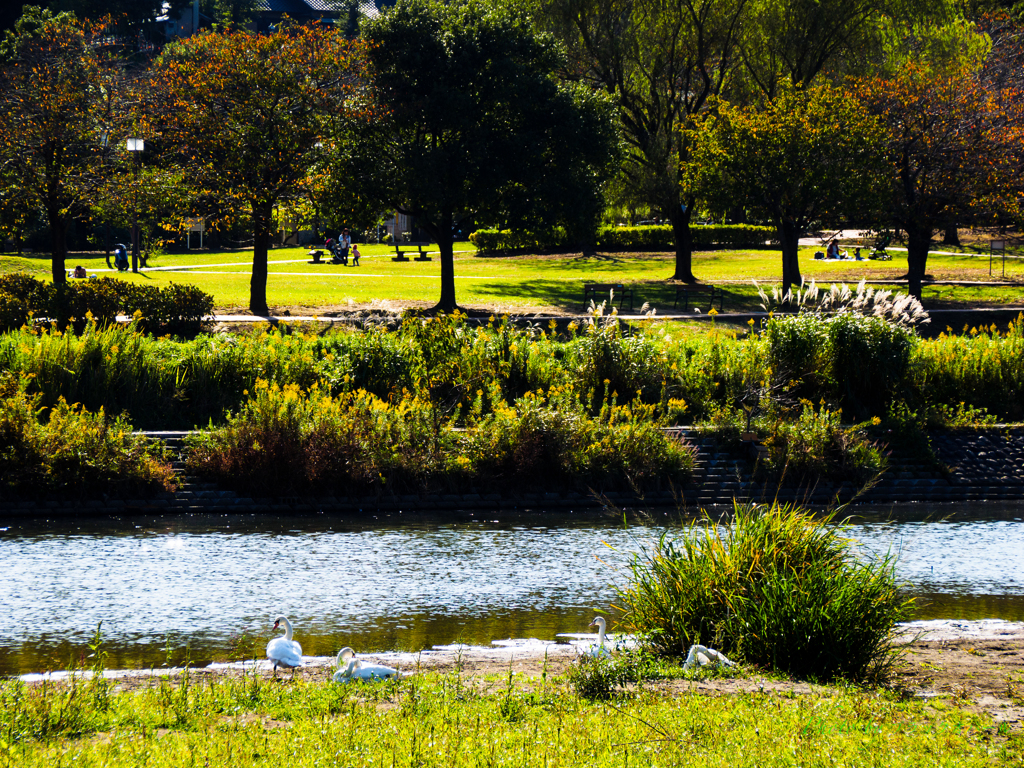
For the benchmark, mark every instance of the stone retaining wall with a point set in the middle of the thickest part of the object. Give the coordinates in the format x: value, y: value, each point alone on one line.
x: 983, y: 464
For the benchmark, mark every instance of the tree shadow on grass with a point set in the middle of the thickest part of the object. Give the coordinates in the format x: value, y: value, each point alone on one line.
x: 567, y: 296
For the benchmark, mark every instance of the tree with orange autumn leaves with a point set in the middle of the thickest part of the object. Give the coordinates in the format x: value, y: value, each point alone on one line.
x: 954, y: 144
x: 60, y: 108
x: 249, y: 115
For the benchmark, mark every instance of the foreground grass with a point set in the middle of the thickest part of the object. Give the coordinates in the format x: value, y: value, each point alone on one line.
x: 444, y: 720
x: 528, y: 282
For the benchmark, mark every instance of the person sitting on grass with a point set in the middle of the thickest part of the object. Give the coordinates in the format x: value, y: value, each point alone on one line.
x: 833, y: 251
x: 80, y: 271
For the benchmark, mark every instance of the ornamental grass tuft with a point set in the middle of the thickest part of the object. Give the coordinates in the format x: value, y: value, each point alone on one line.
x: 776, y: 586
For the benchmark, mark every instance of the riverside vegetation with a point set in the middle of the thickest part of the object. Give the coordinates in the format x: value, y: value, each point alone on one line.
x: 446, y: 719
x: 441, y: 405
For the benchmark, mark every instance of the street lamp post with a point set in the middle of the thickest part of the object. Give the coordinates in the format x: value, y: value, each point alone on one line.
x: 136, y: 146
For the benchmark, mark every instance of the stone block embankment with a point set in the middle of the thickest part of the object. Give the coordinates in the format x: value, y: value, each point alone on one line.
x: 973, y: 465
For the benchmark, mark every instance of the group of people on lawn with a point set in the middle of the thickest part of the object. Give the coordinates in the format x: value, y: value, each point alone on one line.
x: 342, y: 247
x: 833, y: 252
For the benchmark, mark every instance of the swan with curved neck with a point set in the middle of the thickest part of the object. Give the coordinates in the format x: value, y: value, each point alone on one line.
x: 599, y: 649
x: 351, y: 668
x: 283, y: 651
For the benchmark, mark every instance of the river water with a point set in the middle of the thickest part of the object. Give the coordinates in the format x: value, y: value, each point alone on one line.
x: 209, y: 587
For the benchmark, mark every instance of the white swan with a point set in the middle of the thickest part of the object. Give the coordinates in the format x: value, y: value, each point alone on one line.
x: 283, y: 651
x: 599, y: 650
x: 701, y: 656
x: 350, y: 668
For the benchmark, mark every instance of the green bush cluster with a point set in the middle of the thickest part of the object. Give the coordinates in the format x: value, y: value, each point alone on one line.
x: 816, y: 446
x: 859, y: 365
x: 979, y: 368
x: 703, y: 236
x: 288, y: 441
x: 657, y: 237
x: 72, y: 453
x: 175, y: 309
x: 853, y: 362
x: 775, y: 586
x: 495, y: 240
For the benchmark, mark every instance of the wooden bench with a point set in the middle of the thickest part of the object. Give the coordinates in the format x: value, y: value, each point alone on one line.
x: 402, y: 248
x: 596, y: 291
x: 686, y: 290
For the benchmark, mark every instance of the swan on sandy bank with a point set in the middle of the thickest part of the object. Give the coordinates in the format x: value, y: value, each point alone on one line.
x: 283, y: 651
x: 351, y: 668
x: 599, y: 650
x: 702, y: 656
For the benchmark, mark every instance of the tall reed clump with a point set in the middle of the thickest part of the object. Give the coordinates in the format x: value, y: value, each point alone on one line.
x: 72, y: 453
x: 776, y: 586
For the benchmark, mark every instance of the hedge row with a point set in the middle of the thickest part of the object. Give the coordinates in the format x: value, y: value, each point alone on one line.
x: 175, y: 309
x: 652, y: 237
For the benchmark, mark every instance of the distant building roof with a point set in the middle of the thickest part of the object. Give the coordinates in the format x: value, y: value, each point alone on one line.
x: 301, y: 8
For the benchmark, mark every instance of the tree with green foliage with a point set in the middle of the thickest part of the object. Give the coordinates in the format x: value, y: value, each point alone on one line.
x: 808, y: 155
x: 660, y: 60
x: 58, y: 100
x: 796, y: 41
x: 246, y: 115
x: 474, y: 127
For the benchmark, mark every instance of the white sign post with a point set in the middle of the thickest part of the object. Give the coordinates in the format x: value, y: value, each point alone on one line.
x: 194, y: 225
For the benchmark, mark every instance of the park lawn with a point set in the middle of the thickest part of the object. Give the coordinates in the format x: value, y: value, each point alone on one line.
x: 528, y: 283
x: 431, y: 719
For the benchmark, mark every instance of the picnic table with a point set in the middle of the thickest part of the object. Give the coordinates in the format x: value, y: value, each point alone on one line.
x: 402, y: 248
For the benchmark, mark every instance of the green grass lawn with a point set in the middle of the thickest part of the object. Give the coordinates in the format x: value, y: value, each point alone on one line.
x: 447, y: 720
x: 527, y: 283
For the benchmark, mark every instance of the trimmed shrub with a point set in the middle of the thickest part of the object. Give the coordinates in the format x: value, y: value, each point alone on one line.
x: 175, y: 309
x: 658, y: 238
x: 776, y: 586
x: 703, y: 237
x: 495, y: 240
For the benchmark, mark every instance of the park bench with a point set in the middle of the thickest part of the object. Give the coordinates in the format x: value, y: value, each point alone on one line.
x: 403, y: 248
x: 684, y: 291
x: 595, y: 291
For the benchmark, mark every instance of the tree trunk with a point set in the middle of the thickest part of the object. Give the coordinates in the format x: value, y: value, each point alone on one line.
x: 262, y: 222
x: 789, y: 236
x: 951, y: 236
x: 919, y: 238
x: 442, y: 234
x: 680, y: 220
x: 58, y: 246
